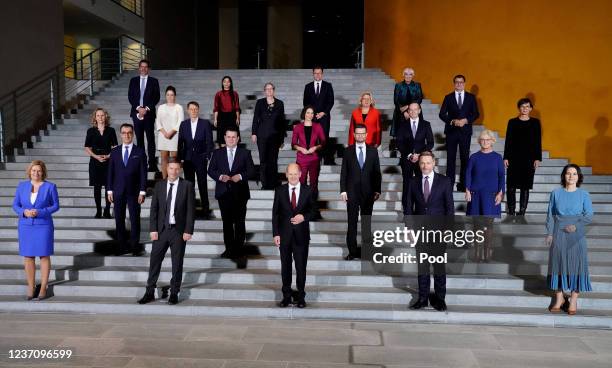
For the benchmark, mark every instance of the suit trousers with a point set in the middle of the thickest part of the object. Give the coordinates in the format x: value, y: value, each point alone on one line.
x: 197, y: 170
x: 409, y: 169
x: 327, y: 153
x: 353, y: 208
x: 424, y: 271
x: 233, y: 214
x: 142, y: 127
x: 310, y: 169
x: 268, y: 161
x: 168, y: 238
x: 454, y: 140
x: 120, y: 202
x: 290, y: 251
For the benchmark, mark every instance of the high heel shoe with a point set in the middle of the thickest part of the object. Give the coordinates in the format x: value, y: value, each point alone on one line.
x: 563, y: 307
x: 572, y: 312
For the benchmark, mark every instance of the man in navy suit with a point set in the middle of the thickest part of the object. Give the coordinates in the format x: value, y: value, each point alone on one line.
x: 459, y: 111
x: 143, y: 95
x: 413, y: 136
x: 231, y: 167
x: 431, y: 195
x: 195, y: 145
x: 127, y: 179
x: 320, y: 95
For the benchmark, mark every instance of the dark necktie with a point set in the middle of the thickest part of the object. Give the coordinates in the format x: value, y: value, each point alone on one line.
x: 168, y: 204
x: 317, y: 90
x: 126, y: 156
x: 360, y: 158
x: 426, y: 188
x: 414, y: 129
x: 293, y: 199
x: 459, y: 100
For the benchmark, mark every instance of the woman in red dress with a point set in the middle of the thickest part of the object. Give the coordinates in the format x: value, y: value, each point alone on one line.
x: 368, y: 115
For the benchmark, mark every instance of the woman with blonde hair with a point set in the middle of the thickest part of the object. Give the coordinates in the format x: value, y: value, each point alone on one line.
x: 406, y: 92
x: 100, y: 139
x: 366, y: 114
x: 35, y: 200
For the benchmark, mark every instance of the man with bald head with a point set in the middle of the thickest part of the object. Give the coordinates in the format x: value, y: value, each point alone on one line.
x: 292, y: 211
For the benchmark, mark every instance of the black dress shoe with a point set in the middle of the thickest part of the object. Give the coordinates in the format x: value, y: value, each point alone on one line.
x: 440, y: 305
x: 107, y: 214
x: 285, y: 302
x: 147, y: 298
x: 138, y: 252
x: 225, y: 254
x: 301, y: 303
x: 173, y: 299
x: 419, y: 304
x: 98, y: 214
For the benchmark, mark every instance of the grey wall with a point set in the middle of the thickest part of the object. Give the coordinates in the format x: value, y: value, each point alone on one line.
x: 32, y: 40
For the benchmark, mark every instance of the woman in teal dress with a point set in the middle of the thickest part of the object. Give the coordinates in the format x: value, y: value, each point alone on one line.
x: 405, y: 93
x: 569, y: 211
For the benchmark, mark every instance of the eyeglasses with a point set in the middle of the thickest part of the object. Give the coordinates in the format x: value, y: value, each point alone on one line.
x: 127, y: 133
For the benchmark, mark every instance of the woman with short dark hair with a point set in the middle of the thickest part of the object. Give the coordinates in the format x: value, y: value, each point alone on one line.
x: 167, y: 122
x: 308, y: 139
x: 569, y: 211
x: 522, y: 155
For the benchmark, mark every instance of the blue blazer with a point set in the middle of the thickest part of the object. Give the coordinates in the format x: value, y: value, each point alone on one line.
x: 450, y: 111
x: 47, y: 202
x: 440, y: 201
x: 198, y: 149
x: 243, y: 165
x: 149, y: 99
x: 130, y: 179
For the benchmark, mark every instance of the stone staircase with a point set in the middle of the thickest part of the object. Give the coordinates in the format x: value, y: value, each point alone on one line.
x: 86, y: 279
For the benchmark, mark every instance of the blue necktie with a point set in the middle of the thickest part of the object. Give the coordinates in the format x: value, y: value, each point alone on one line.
x: 230, y: 159
x: 361, y: 160
x: 126, y: 155
x: 142, y: 90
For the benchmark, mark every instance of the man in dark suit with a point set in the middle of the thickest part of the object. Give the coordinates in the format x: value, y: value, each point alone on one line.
x: 143, y: 95
x: 171, y: 225
x: 360, y: 187
x: 414, y: 136
x: 231, y: 167
x: 459, y: 111
x: 293, y: 208
x: 320, y: 95
x: 127, y: 178
x: 431, y: 195
x: 195, y: 145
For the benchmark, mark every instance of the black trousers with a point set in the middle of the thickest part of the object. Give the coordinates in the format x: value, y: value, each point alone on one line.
x: 409, y: 169
x: 268, y: 161
x: 142, y: 127
x: 290, y: 251
x: 463, y: 141
x: 233, y: 214
x: 120, y: 203
x: 353, y: 208
x: 198, y: 170
x: 327, y: 153
x: 168, y: 238
x: 424, y: 271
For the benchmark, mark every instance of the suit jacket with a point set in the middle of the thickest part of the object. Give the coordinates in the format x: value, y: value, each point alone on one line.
x: 450, y: 111
x: 299, y: 138
x: 150, y: 98
x: 372, y: 122
x: 357, y: 183
x: 46, y: 203
x: 422, y: 141
x: 243, y: 165
x: 184, y: 207
x: 440, y: 201
x: 269, y: 122
x: 198, y: 149
x: 127, y: 180
x: 282, y: 214
x: 324, y: 102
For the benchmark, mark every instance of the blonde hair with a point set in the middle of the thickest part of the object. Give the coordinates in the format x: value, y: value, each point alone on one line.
x: 106, y: 117
x: 42, y: 165
x: 371, y: 98
x: 487, y: 133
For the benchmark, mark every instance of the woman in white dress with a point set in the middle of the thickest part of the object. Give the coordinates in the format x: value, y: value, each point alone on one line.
x: 169, y: 117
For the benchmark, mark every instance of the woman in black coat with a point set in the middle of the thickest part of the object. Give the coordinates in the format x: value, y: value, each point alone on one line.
x: 522, y: 155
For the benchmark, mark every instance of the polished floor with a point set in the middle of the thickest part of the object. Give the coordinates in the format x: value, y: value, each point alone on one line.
x: 145, y: 341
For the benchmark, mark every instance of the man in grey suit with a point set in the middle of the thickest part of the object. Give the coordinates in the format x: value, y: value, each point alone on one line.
x: 171, y: 225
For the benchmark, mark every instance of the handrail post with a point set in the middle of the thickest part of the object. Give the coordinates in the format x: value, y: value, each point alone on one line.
x: 15, y: 117
x: 52, y: 101
x: 2, y: 156
x: 362, y: 55
x: 120, y: 54
x: 91, y: 80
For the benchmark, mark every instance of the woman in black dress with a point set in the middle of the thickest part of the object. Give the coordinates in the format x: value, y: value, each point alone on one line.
x: 101, y: 138
x: 522, y: 155
x: 226, y: 108
x: 268, y: 132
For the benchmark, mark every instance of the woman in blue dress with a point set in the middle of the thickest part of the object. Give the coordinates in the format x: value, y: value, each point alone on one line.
x: 569, y: 211
x: 35, y: 200
x: 484, y: 181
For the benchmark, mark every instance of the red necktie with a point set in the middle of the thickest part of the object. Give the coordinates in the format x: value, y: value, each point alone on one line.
x: 293, y: 199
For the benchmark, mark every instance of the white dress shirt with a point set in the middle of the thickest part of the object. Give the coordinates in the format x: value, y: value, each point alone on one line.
x: 357, y: 146
x: 462, y: 94
x: 297, y: 192
x: 317, y: 83
x: 194, y: 126
x: 173, y: 200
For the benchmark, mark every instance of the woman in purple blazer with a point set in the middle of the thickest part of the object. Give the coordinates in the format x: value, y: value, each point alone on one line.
x: 308, y: 139
x: 35, y: 200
